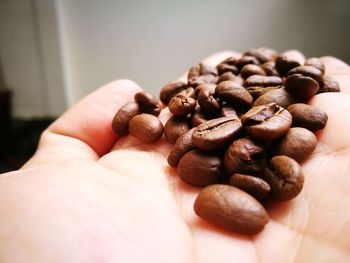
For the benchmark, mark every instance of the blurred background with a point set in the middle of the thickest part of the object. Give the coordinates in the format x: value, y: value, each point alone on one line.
x: 53, y: 52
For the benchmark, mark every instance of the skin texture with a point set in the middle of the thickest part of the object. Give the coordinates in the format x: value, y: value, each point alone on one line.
x: 88, y: 196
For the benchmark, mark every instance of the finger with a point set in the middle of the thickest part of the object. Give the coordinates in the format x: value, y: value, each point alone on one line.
x: 85, y: 130
x: 339, y: 70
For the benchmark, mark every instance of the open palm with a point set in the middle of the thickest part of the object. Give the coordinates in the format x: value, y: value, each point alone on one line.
x: 87, y: 196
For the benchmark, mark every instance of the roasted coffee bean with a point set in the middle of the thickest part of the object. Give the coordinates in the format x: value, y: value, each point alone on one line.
x: 170, y: 90
x: 228, y: 65
x: 307, y: 116
x: 146, y: 127
x: 204, y: 79
x: 254, y: 186
x: 270, y: 68
x: 180, y: 105
x: 308, y: 71
x: 123, y: 116
x: 298, y: 143
x: 216, y: 133
x: 206, y: 99
x: 257, y: 91
x: 315, y: 62
x: 188, y: 92
x: 176, y: 126
x: 231, y: 208
x: 263, y: 81
x: 202, y: 69
x: 280, y: 96
x: 284, y: 63
x: 198, y: 117
x: 148, y: 103
x: 262, y: 54
x: 182, y: 145
x: 200, y: 168
x: 245, y: 60
x: 228, y: 111
x: 234, y: 93
x: 302, y: 87
x: 329, y: 84
x: 267, y: 122
x: 226, y: 76
x: 239, y: 80
x: 251, y: 69
x: 285, y: 177
x: 244, y: 156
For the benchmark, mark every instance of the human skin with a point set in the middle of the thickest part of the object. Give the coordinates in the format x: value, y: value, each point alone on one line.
x: 89, y: 196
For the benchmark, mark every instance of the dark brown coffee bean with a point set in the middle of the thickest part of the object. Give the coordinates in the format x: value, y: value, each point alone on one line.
x: 267, y: 122
x: 263, y: 81
x: 285, y: 177
x: 315, y: 62
x: 123, y: 116
x: 245, y: 60
x: 254, y: 186
x: 298, y: 143
x: 285, y: 63
x: 188, y: 92
x: 234, y: 93
x: 244, y: 156
x: 228, y: 65
x: 216, y: 133
x: 307, y: 116
x: 200, y: 168
x: 176, y: 126
x: 270, y: 68
x: 204, y: 79
x: 228, y: 111
x: 170, y: 90
x: 182, y: 145
x: 302, y: 87
x: 148, y: 103
x: 329, y: 84
x: 207, y: 100
x: 251, y: 69
x: 202, y: 69
x: 146, y: 127
x: 307, y: 71
x: 280, y: 96
x: 180, y: 105
x: 198, y: 117
x: 257, y: 91
x: 262, y: 54
x: 231, y: 208
x: 226, y: 76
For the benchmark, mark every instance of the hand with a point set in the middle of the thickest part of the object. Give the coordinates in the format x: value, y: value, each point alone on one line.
x: 88, y: 196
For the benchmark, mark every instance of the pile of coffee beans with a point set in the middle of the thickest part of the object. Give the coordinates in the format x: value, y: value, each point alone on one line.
x: 239, y: 130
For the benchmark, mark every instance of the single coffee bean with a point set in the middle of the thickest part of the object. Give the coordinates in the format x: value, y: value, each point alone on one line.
x: 267, y: 122
x: 285, y: 63
x: 263, y: 81
x: 228, y: 111
x: 239, y: 80
x: 251, y: 69
x: 270, y: 68
x: 148, y: 103
x: 206, y: 99
x: 228, y: 65
x: 202, y: 69
x: 308, y: 71
x: 180, y: 105
x: 216, y: 133
x: 176, y: 126
x: 280, y: 96
x: 200, y: 168
x: 298, y: 143
x: 254, y: 186
x: 315, y: 62
x: 302, y: 87
x: 188, y: 92
x: 146, y: 127
x: 262, y: 54
x: 234, y: 93
x: 182, y: 145
x: 307, y: 116
x: 329, y: 84
x: 231, y: 208
x: 198, y: 117
x: 204, y: 79
x: 244, y: 156
x: 285, y: 177
x: 226, y: 76
x: 257, y: 91
x: 123, y: 116
x: 170, y: 90
x: 245, y: 60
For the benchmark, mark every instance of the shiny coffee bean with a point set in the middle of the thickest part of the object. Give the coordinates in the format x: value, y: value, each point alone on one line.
x: 188, y: 92
x: 182, y: 145
x: 302, y: 87
x: 228, y: 111
x: 176, y: 126
x: 239, y: 80
x: 307, y: 116
x: 315, y: 62
x: 252, y: 185
x: 180, y: 105
x: 263, y: 81
x: 216, y: 133
x: 123, y: 116
x: 257, y: 91
x: 267, y: 122
x: 329, y: 84
x: 207, y: 100
x: 204, y: 79
x: 202, y: 69
x: 228, y: 65
x: 200, y: 168
x: 251, y: 69
x: 244, y: 155
x: 285, y: 177
x: 231, y: 208
x: 148, y: 103
x: 298, y: 143
x: 245, y: 60
x: 279, y: 96
x: 146, y: 127
x: 170, y: 90
x: 307, y: 71
x: 262, y: 54
x: 226, y: 76
x: 198, y: 117
x: 234, y: 93
x: 270, y: 68
x: 285, y: 63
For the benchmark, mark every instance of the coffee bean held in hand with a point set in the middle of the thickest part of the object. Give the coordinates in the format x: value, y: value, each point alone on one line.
x: 239, y: 129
